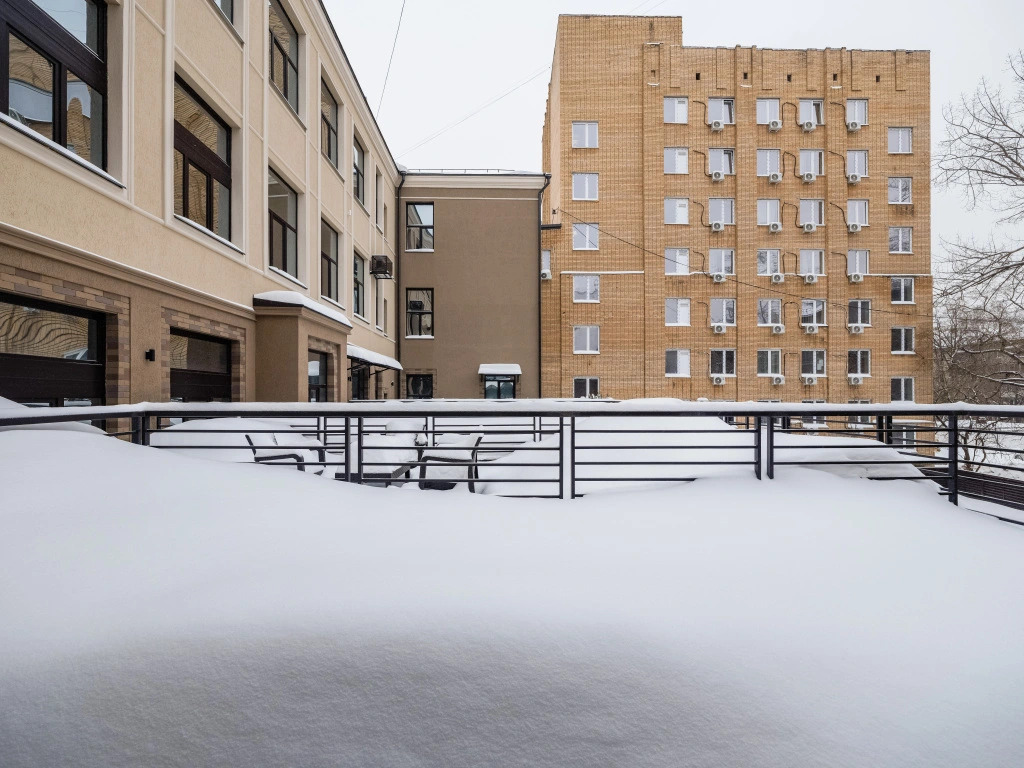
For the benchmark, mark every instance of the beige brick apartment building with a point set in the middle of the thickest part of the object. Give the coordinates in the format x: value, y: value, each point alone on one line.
x: 196, y: 203
x: 734, y: 223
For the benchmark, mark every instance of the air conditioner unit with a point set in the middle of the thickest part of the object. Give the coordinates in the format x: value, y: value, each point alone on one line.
x: 856, y: 381
x: 808, y: 381
x: 810, y: 279
x: 853, y: 178
x: 718, y: 277
x: 718, y: 328
x: 716, y: 125
x: 808, y: 125
x: 810, y: 330
x: 854, y: 227
x: 774, y: 125
x: 717, y: 176
x: 809, y: 178
x: 775, y: 226
x: 778, y: 328
x: 778, y: 381
x: 774, y: 177
x: 717, y: 380
x: 809, y: 226
x: 545, y: 274
x: 381, y: 266
x: 852, y: 125
x: 717, y: 226
x: 778, y: 277
x: 856, y: 328
x: 856, y: 277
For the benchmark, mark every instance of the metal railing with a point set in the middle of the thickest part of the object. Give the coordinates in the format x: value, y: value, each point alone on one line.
x: 565, y: 449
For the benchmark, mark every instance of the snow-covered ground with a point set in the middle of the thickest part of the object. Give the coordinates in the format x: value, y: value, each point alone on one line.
x: 164, y: 610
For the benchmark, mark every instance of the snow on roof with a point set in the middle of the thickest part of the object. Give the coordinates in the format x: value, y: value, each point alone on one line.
x: 295, y: 298
x: 374, y: 358
x: 506, y: 369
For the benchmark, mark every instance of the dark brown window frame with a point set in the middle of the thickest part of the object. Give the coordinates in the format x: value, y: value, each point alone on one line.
x: 358, y: 171
x: 195, y: 153
x: 322, y: 389
x: 40, y: 31
x: 418, y: 314
x: 418, y: 377
x: 329, y: 264
x: 202, y: 384
x: 329, y: 131
x: 418, y: 228
x: 359, y: 286
x: 276, y: 46
x: 285, y: 226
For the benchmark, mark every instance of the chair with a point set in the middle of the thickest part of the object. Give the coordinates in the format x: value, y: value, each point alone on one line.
x: 464, y: 451
x: 272, y: 453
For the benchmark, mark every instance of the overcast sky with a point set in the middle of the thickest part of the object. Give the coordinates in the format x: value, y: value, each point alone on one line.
x: 454, y: 56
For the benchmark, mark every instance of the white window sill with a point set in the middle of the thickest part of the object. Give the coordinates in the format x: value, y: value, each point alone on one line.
x: 727, y: 325
x: 677, y: 173
x: 904, y: 303
x: 768, y: 223
x: 767, y: 375
x: 674, y: 122
x: 862, y: 375
x: 584, y: 199
x: 667, y: 224
x: 329, y: 300
x: 677, y: 375
x: 677, y: 274
x: 908, y: 203
x: 208, y: 232
x: 903, y: 353
x: 769, y: 325
x: 901, y: 253
x: 586, y: 249
x: 419, y: 250
x: 816, y: 325
x: 726, y: 375
x: 419, y: 337
x: 586, y: 301
x: 64, y: 151
x: 584, y: 352
x: 286, y: 276
x: 677, y: 325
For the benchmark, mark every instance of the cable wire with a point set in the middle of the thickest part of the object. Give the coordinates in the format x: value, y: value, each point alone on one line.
x: 394, y: 45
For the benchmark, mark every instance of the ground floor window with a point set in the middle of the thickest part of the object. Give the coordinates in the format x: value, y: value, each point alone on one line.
x: 360, y: 377
x: 318, y: 368
x: 200, y: 368
x: 499, y: 387
x: 419, y: 386
x: 585, y: 386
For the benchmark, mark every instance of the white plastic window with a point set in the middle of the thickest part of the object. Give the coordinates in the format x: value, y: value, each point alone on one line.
x: 767, y: 212
x: 677, y: 109
x: 767, y: 110
x: 584, y: 186
x: 584, y: 135
x: 722, y: 209
x: 677, y: 261
x: 584, y: 237
x: 722, y: 260
x: 586, y: 288
x: 812, y: 261
x: 677, y: 362
x: 677, y: 210
x: 768, y: 262
x: 723, y: 311
x: 767, y: 161
x: 586, y: 339
x: 677, y: 160
x: 677, y: 311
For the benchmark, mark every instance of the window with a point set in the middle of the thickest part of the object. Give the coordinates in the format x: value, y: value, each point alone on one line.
x: 812, y: 212
x: 585, y: 386
x: 857, y: 111
x: 723, y: 362
x: 901, y: 239
x: 545, y: 261
x: 902, y: 341
x: 677, y: 311
x: 722, y: 209
x: 769, y: 311
x: 328, y: 261
x: 901, y: 389
x: 812, y: 161
x: 586, y: 288
x: 857, y: 212
x: 812, y: 362
x: 584, y: 186
x: 859, y: 312
x: 584, y: 237
x: 767, y: 110
x: 812, y: 262
x: 858, y: 362
x: 499, y: 387
x: 677, y: 261
x: 317, y: 374
x: 358, y: 165
x: 677, y: 160
x: 768, y: 161
x: 677, y: 109
x: 722, y: 109
x: 769, y: 362
x: 677, y: 210
x: 381, y: 306
x: 584, y: 135
x: 419, y: 386
x: 903, y: 290
x: 859, y: 421
x: 813, y: 420
x: 723, y: 160
x: 54, y: 81
x: 857, y: 162
x: 419, y: 312
x: 419, y: 226
x: 677, y: 363
x: 284, y: 219
x: 812, y: 312
x: 226, y: 7
x: 328, y: 124
x: 903, y: 435
x: 723, y: 260
x: 768, y: 213
x: 857, y: 262
x: 284, y: 54
x: 586, y: 339
x: 359, y: 285
x: 723, y: 311
x: 200, y: 368
x: 899, y: 191
x: 812, y: 111
x: 900, y: 141
x: 202, y: 163
x: 378, y: 200
x: 768, y: 262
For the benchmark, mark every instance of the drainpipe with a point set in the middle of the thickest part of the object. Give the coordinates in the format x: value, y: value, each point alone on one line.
x: 540, y: 243
x: 398, y: 285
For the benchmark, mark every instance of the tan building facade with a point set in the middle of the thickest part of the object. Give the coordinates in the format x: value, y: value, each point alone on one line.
x: 469, y: 284
x: 734, y: 223
x: 196, y: 204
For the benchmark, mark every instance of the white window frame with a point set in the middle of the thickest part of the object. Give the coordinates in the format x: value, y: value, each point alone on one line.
x: 677, y: 210
x: 722, y: 260
x: 681, y: 308
x: 583, y: 133
x: 767, y: 110
x: 677, y: 160
x: 586, y: 232
x: 898, y: 184
x: 903, y: 282
x: 812, y: 110
x: 905, y: 332
x: 769, y: 161
x: 812, y: 161
x: 903, y: 434
x: 813, y: 420
x: 858, y: 317
x: 856, y: 159
x: 857, y: 212
x: 720, y: 109
x: 819, y: 312
x: 904, y: 140
x: 728, y: 355
x: 903, y: 381
x: 584, y: 186
x: 857, y: 110
x: 770, y: 308
x: 863, y: 362
x: 858, y: 261
x: 818, y: 358
x: 722, y: 308
x: 677, y: 356
x: 677, y: 261
x: 899, y: 232
x: 545, y: 260
x: 769, y: 211
x: 673, y: 107
x: 770, y: 254
x: 591, y: 337
x: 812, y: 259
x: 587, y: 286
x: 588, y: 379
x: 774, y: 359
x: 728, y: 209
x: 814, y: 205
x: 722, y: 159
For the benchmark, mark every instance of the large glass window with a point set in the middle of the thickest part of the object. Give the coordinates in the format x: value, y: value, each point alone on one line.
x: 419, y: 386
x: 328, y: 261
x: 499, y: 387
x: 859, y: 312
x: 901, y: 141
x: 768, y: 213
x: 812, y: 262
x: 284, y: 220
x: 55, y: 74
x: 812, y: 312
x: 358, y: 171
x: 677, y: 210
x: 722, y: 159
x: 419, y: 312
x: 328, y: 124
x: 812, y: 161
x: 284, y: 54
x: 812, y: 212
x: 419, y: 226
x: 200, y: 368
x: 857, y: 111
x: 202, y: 163
x: 812, y: 111
x: 858, y: 362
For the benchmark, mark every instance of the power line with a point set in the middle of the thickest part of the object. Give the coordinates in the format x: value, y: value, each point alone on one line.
x: 394, y: 45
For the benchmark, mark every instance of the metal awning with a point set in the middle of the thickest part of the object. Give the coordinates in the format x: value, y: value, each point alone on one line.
x: 373, y: 358
x: 500, y: 369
